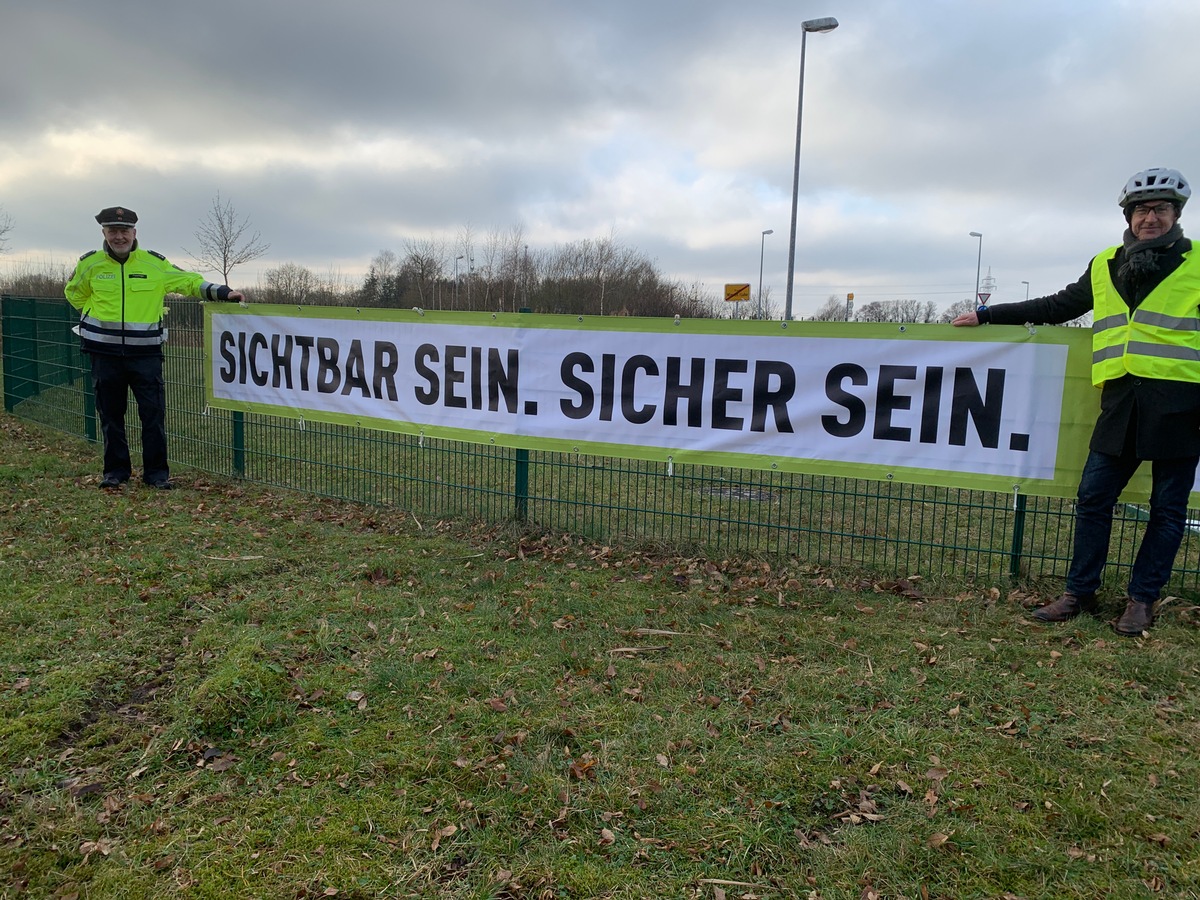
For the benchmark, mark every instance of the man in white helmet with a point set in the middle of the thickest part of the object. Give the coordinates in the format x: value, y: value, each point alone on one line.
x: 1146, y: 359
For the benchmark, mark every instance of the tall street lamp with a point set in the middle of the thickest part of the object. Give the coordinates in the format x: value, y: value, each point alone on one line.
x: 819, y: 26
x: 978, y: 259
x: 1026, y: 283
x: 456, y: 259
x: 761, y: 248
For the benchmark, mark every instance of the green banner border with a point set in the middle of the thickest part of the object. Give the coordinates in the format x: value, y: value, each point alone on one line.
x: 1080, y: 403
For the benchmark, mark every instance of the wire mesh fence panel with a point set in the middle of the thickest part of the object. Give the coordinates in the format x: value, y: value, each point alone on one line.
x: 885, y: 527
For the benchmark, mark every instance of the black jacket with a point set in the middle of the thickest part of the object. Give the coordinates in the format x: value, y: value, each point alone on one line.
x: 1155, y: 418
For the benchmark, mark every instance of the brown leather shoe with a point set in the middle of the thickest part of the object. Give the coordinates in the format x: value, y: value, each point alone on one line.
x: 1138, y: 617
x: 1066, y: 607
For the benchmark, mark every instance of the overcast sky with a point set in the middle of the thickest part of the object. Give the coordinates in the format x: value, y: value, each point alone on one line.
x: 342, y: 129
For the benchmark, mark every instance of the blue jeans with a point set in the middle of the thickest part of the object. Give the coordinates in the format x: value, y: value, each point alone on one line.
x: 1104, y: 477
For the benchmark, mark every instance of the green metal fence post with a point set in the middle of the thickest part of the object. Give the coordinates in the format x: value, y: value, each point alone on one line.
x: 521, y: 478
x: 6, y: 329
x: 91, y: 423
x: 239, y: 444
x: 1018, y: 537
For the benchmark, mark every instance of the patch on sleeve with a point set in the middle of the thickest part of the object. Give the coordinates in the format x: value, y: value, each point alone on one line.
x: 89, y: 253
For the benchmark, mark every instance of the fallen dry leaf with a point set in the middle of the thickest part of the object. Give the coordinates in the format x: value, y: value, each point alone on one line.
x: 445, y: 832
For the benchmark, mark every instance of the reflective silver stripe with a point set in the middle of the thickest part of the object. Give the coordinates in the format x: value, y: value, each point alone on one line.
x: 1164, y: 351
x: 126, y: 340
x: 90, y: 322
x: 128, y: 334
x: 1175, y: 323
x: 1120, y: 320
x: 1113, y: 352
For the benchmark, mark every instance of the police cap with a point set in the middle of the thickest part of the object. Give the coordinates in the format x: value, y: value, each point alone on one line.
x: 117, y: 215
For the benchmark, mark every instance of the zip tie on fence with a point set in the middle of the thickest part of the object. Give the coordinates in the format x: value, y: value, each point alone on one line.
x: 1032, y: 330
x: 207, y: 410
x: 1016, y: 493
x: 301, y: 421
x: 421, y: 441
x: 670, y: 466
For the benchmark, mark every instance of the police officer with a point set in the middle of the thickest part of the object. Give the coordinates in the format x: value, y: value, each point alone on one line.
x: 1145, y: 294
x: 119, y: 291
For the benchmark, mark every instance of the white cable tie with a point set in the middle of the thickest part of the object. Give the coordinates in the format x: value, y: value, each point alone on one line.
x: 670, y: 466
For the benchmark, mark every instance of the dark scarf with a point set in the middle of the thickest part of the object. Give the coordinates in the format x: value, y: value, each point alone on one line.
x: 1140, y: 258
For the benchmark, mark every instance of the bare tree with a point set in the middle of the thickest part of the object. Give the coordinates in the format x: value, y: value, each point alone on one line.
x: 6, y: 224
x: 835, y: 309
x: 223, y: 241
x: 290, y: 283
x: 764, y: 308
x: 464, y: 249
x: 512, y: 259
x: 897, y: 311
x: 956, y: 309
x: 490, y: 257
x: 424, y: 265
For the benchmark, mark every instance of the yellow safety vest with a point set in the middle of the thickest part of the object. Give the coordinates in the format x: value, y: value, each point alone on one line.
x: 1162, y: 337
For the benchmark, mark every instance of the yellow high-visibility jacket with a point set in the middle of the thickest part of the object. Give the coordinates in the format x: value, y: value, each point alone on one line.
x: 121, y: 303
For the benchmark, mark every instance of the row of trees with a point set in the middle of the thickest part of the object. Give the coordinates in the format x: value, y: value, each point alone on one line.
x: 499, y: 273
x: 838, y: 309
x: 502, y: 273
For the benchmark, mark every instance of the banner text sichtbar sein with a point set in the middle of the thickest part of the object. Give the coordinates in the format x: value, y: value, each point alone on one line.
x: 803, y: 400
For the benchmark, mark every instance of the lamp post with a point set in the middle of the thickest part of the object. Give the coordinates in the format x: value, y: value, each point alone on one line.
x: 819, y: 26
x: 762, y: 246
x: 1026, y: 283
x: 456, y: 259
x: 978, y: 260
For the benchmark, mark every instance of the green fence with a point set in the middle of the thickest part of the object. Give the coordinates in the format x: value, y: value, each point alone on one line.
x: 885, y: 528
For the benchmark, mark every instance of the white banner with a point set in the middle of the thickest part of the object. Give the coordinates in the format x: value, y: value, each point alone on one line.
x: 972, y: 406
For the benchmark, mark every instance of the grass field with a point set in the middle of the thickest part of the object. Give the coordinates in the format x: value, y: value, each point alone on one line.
x: 227, y: 691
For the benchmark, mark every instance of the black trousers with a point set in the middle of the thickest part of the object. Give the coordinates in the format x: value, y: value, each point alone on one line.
x: 113, y: 377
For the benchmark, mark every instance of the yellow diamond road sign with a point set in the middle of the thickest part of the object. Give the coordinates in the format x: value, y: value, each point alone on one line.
x: 736, y: 293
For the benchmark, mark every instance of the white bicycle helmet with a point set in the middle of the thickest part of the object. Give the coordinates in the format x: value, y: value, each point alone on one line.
x: 1155, y: 184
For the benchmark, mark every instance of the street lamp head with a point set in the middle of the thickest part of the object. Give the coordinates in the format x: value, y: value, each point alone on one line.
x: 769, y: 231
x: 820, y: 25
x: 976, y: 234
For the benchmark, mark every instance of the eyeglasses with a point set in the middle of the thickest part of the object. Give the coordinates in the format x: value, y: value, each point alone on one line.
x: 1159, y: 209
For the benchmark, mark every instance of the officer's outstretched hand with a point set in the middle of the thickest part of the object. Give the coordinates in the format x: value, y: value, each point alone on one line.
x: 968, y: 319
